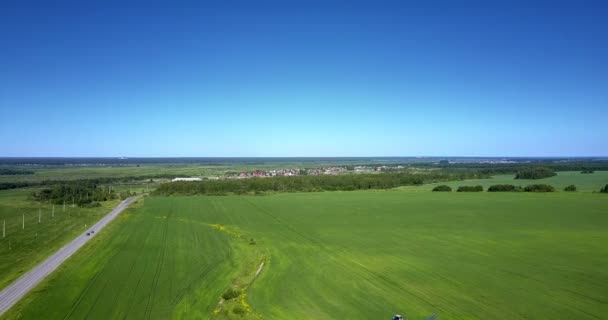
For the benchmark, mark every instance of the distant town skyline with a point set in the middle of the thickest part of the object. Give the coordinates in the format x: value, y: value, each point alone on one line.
x: 313, y: 79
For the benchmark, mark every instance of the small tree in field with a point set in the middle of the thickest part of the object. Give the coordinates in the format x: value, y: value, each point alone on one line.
x: 470, y: 189
x: 442, y: 187
x: 570, y: 188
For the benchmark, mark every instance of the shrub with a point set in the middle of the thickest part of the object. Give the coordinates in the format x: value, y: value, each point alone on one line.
x: 535, y: 173
x: 239, y: 310
x: 442, y: 187
x: 570, y: 188
x: 90, y: 205
x: 539, y: 188
x: 503, y: 188
x: 587, y: 171
x: 604, y: 189
x: 470, y: 189
x: 231, y: 294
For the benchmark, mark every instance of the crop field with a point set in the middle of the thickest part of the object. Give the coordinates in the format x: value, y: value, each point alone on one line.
x: 25, y: 243
x: 333, y: 255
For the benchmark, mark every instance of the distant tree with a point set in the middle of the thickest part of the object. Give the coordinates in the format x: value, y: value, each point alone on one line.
x: 604, y: 189
x: 470, y: 189
x: 539, y: 188
x: 444, y: 162
x: 442, y: 187
x: 570, y: 188
x: 535, y: 173
x: 586, y: 171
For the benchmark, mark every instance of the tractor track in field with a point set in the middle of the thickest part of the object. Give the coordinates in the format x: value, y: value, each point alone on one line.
x: 159, y: 266
x: 24, y: 284
x: 344, y: 252
x: 94, y: 279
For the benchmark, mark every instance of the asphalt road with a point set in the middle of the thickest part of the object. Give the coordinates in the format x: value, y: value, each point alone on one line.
x: 16, y: 290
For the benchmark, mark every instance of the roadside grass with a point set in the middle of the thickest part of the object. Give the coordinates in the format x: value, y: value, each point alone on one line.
x: 21, y: 249
x: 330, y: 255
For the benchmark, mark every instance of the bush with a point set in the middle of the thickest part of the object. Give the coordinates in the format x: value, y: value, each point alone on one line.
x: 570, y: 188
x: 535, y: 173
x: 587, y: 171
x: 239, y: 310
x: 231, y: 294
x: 470, y: 189
x: 604, y: 189
x: 442, y: 187
x: 539, y: 188
x: 503, y: 188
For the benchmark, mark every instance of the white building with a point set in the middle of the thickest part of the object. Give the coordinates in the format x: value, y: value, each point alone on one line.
x: 186, y: 179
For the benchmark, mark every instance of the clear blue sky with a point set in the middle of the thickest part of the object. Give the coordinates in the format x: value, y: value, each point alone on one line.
x: 304, y: 78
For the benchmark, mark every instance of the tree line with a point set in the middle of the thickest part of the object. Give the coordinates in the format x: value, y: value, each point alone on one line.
x: 309, y: 183
x: 504, y: 188
x: 81, y: 193
x: 14, y: 172
x: 535, y: 173
x: 103, y: 180
x: 512, y: 168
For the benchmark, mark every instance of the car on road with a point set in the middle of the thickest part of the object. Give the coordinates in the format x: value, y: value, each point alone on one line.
x: 88, y: 233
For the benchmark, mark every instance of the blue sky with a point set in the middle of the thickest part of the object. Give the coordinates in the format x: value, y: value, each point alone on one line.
x: 304, y: 78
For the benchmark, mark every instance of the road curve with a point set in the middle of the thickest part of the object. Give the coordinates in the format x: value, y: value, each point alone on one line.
x: 16, y: 290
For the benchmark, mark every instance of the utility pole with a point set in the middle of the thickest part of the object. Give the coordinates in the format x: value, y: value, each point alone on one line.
x: 4, y: 229
x: 39, y: 214
x: 53, y: 212
x: 63, y: 205
x: 23, y: 224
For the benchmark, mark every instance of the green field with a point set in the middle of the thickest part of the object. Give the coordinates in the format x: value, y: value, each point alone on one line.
x: 331, y: 255
x: 22, y: 248
x: 583, y: 182
x: 60, y: 172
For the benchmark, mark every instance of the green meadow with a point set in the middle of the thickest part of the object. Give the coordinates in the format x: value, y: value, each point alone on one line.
x: 332, y: 255
x: 584, y: 182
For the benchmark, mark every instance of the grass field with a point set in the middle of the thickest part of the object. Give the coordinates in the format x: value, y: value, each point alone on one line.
x: 583, y: 182
x: 22, y: 248
x: 42, y: 173
x: 89, y: 172
x: 354, y: 255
